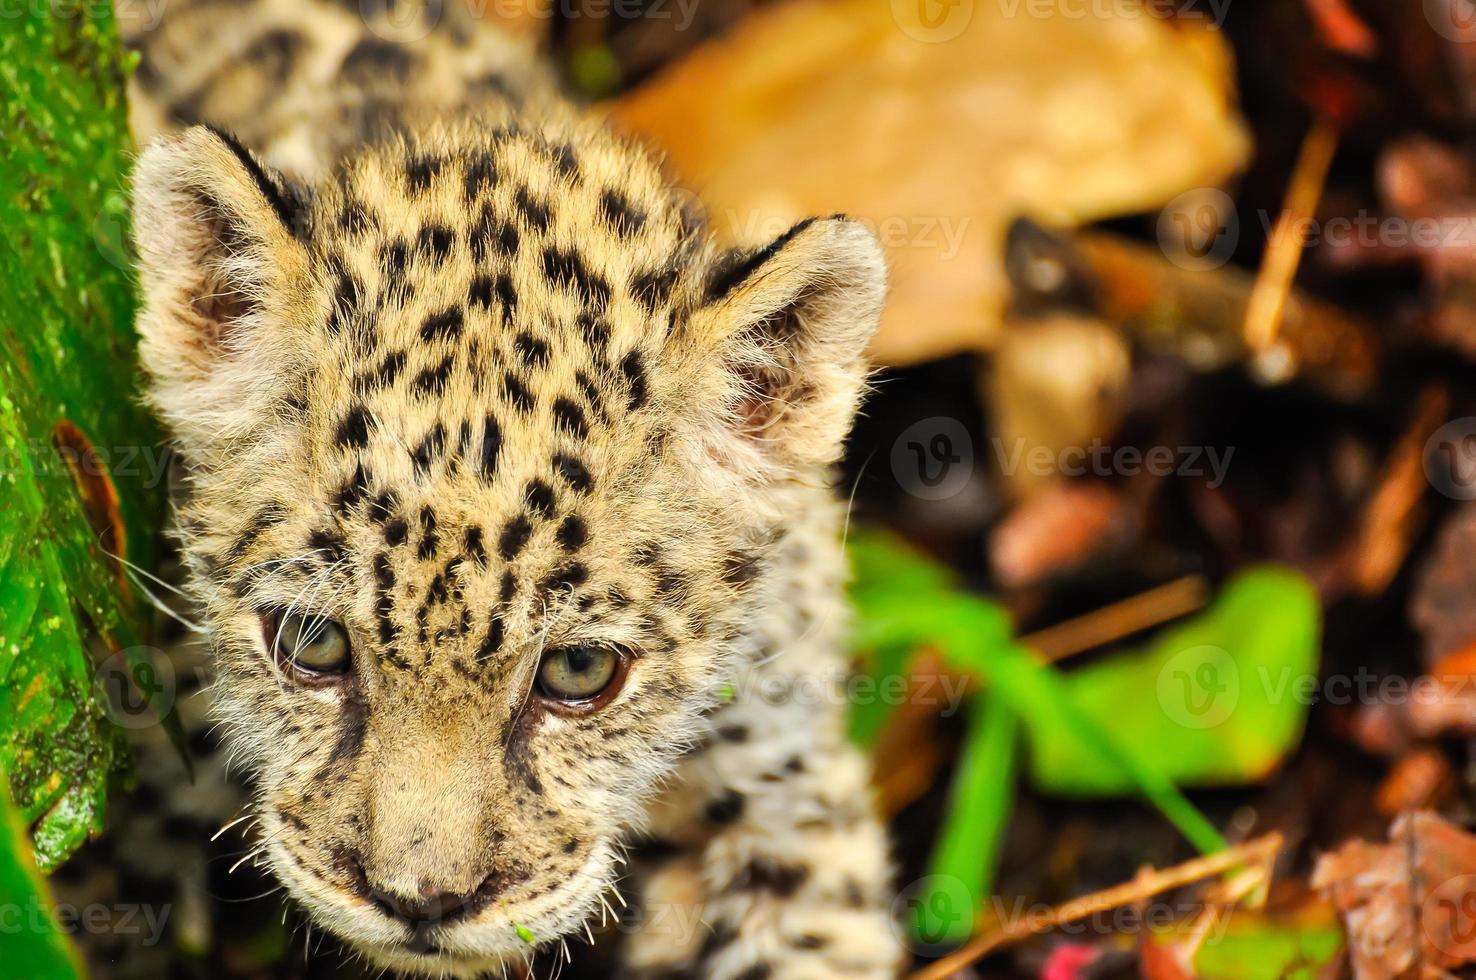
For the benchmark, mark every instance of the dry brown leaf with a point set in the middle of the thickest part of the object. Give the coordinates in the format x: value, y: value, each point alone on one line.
x: 938, y: 134
x: 1441, y: 607
x: 1444, y: 703
x: 1410, y: 905
x: 1418, y: 779
x: 1053, y: 531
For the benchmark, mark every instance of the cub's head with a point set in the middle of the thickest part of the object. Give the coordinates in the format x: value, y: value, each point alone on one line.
x: 487, y: 456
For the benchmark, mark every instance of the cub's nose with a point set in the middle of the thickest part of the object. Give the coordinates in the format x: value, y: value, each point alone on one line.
x: 430, y: 907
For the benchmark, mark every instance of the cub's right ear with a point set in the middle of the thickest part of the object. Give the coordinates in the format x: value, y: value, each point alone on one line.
x: 221, y: 263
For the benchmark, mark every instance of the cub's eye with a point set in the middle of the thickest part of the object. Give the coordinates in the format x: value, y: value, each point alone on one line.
x: 311, y: 644
x: 582, y: 678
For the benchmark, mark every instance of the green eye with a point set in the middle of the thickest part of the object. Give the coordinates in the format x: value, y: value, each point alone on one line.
x: 311, y: 643
x: 580, y: 674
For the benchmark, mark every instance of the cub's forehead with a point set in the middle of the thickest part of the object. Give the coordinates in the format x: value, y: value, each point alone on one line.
x: 492, y: 310
x: 575, y: 228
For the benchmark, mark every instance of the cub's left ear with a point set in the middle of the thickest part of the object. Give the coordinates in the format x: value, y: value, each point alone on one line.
x: 794, y: 320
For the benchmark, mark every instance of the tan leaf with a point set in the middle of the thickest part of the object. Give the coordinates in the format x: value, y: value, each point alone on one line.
x: 939, y: 132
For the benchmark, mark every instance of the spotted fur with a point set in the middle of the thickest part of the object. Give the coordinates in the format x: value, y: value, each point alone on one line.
x: 474, y: 384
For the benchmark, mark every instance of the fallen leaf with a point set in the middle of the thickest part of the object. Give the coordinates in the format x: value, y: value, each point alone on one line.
x: 939, y: 135
x: 1441, y: 607
x: 1409, y: 906
x: 1053, y: 531
x: 1418, y: 779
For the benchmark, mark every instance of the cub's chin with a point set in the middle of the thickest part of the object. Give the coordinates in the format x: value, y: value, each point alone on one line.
x: 440, y: 963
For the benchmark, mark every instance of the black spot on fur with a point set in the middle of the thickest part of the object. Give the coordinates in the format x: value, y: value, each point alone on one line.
x: 491, y: 236
x: 722, y: 935
x: 329, y: 545
x: 394, y: 256
x: 781, y: 878
x: 492, y: 642
x: 736, y: 734
x: 515, y: 535
x: 509, y: 587
x: 570, y: 417
x: 634, y: 371
x: 395, y: 532
x: 516, y: 393
x: 740, y: 569
x: 429, y: 450
x: 377, y: 60
x: 353, y: 429
x: 620, y: 214
x: 346, y: 294
x: 444, y: 325
x: 435, y: 242
x: 390, y: 368
x: 354, y: 489
x: 353, y: 219
x: 567, y: 268
x: 726, y: 808
x: 759, y: 971
x: 384, y: 505
x: 491, y: 447
x: 541, y: 498
x: 429, y: 541
x: 573, y: 533
x: 432, y: 380
x: 566, y: 161
x: 533, y: 351
x: 475, y: 550
x: 594, y: 330
x: 652, y: 289
x: 573, y: 472
x: 534, y: 211
x: 481, y: 174
x: 569, y: 576
x: 420, y: 171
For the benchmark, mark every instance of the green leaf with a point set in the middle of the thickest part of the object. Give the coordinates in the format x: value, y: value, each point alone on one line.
x: 33, y: 944
x: 1218, y: 699
x: 67, y: 377
x: 1256, y: 946
x: 979, y: 804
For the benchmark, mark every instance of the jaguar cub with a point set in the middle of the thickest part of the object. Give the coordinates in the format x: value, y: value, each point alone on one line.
x: 507, y: 502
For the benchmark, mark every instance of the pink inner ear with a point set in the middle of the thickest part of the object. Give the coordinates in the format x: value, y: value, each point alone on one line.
x: 216, y: 308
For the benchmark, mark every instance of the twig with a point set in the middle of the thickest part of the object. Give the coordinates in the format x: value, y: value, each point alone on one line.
x: 1260, y: 851
x: 1284, y: 250
x: 1113, y: 622
x: 1392, y: 515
